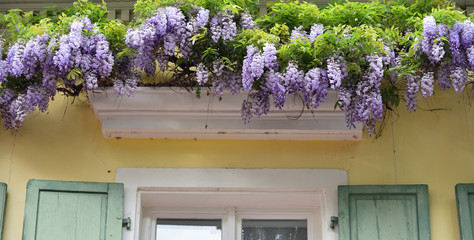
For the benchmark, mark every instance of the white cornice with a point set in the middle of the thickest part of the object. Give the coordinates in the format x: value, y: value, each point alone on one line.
x: 174, y: 113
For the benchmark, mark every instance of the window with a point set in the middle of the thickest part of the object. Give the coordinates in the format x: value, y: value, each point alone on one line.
x: 188, y: 229
x: 231, y: 212
x: 384, y: 212
x: 3, y: 196
x: 233, y: 204
x: 274, y: 229
x: 57, y: 210
x: 465, y: 204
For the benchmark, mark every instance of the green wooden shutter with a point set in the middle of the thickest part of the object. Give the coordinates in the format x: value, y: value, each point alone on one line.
x: 465, y: 204
x: 389, y: 212
x: 3, y: 197
x: 57, y: 210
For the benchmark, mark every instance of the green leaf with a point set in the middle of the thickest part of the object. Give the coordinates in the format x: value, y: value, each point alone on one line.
x: 74, y: 74
x: 198, y: 91
x: 234, y: 8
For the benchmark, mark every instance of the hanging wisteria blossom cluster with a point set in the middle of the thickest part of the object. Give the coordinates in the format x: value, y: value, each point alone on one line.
x: 205, y: 47
x: 450, y: 54
x: 41, y: 61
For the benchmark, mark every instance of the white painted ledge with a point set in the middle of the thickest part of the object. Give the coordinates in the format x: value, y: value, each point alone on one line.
x: 175, y: 113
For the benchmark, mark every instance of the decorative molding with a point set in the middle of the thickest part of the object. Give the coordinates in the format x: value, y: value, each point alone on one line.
x: 176, y: 113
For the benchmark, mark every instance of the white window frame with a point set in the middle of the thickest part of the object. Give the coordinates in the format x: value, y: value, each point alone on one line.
x: 231, y: 214
x: 303, y: 215
x: 141, y: 181
x: 150, y: 228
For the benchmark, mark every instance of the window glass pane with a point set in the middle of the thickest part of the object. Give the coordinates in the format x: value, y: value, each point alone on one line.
x: 188, y: 229
x: 274, y: 229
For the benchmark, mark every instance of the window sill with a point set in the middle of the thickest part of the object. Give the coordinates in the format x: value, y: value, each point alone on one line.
x: 176, y: 113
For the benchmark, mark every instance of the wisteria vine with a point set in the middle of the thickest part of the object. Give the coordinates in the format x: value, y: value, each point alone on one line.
x: 226, y: 50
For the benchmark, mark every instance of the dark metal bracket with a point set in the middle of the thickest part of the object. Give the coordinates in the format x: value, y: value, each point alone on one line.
x: 334, y: 222
x: 127, y: 222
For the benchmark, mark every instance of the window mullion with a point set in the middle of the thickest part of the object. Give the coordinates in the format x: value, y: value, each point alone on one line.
x: 239, y: 228
x: 229, y: 228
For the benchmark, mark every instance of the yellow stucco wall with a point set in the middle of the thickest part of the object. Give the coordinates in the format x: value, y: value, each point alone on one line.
x: 426, y: 147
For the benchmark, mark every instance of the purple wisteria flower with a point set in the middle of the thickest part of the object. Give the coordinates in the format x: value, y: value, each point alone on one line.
x: 345, y: 96
x: 129, y: 86
x: 411, y: 92
x: 7, y: 97
x: 315, y: 87
x: 91, y: 80
x: 218, y: 86
x: 458, y: 53
x: 13, y: 109
x: 298, y: 33
x: 293, y: 78
x: 50, y: 76
x: 257, y: 104
x: 336, y: 72
x: 432, y: 45
x: 246, y: 21
x: 437, y: 51
x: 392, y: 61
x: 14, y: 59
x: 35, y: 54
x: 202, y: 17
x: 223, y: 27
x: 202, y: 74
x: 252, y: 68
x: 454, y: 37
x: 459, y: 78
x: 443, y: 75
x: 426, y: 84
x: 229, y: 27
x: 316, y: 30
x: 159, y: 23
x: 368, y: 106
x: 429, y: 26
x: 261, y: 103
x: 175, y: 19
x: 375, y: 72
x: 218, y: 67
x: 216, y: 29
x: 161, y: 35
x: 443, y: 30
x: 470, y: 56
x: 274, y: 83
x: 269, y: 56
x: 233, y: 80
x: 36, y: 96
x: 247, y: 111
x: 467, y: 36
x: 90, y: 53
x: 3, y: 71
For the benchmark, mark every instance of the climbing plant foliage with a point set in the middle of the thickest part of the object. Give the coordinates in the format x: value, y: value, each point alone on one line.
x: 375, y: 54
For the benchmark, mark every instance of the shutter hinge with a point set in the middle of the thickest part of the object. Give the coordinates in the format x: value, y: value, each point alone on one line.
x: 334, y: 222
x: 127, y: 222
